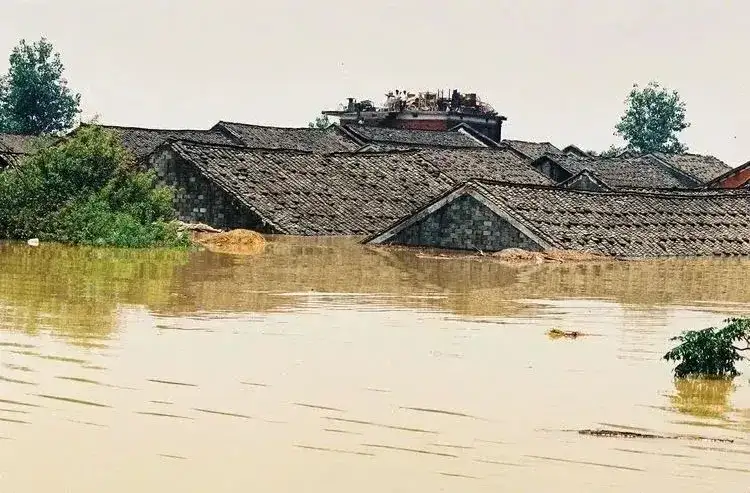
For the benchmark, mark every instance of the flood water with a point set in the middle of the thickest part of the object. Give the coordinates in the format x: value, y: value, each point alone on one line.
x: 321, y: 365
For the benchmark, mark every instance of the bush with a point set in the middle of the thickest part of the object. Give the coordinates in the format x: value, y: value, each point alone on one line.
x: 711, y: 352
x: 87, y: 190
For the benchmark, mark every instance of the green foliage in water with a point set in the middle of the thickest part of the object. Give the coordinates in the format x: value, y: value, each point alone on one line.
x: 87, y: 190
x: 711, y: 352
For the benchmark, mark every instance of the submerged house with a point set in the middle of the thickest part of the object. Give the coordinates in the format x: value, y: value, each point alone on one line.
x: 141, y: 142
x: 319, y: 140
x: 603, y: 173
x: 296, y: 192
x: 491, y: 216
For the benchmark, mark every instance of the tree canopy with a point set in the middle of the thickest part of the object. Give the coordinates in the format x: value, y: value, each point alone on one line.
x: 34, y: 96
x: 653, y: 118
x: 320, y: 122
x: 711, y: 352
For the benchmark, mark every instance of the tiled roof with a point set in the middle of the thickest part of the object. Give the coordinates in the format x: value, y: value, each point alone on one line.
x: 416, y: 138
x: 331, y: 139
x: 143, y: 141
x: 630, y: 223
x: 584, y: 180
x: 533, y: 150
x: 623, y: 172
x: 8, y: 159
x: 305, y: 193
x: 16, y: 143
x: 704, y: 168
x: 487, y: 163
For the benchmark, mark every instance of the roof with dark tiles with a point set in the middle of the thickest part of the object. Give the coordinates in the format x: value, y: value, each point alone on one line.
x: 8, y: 159
x: 533, y: 150
x: 624, y: 172
x: 16, y: 143
x: 487, y: 163
x: 305, y: 193
x: 414, y: 138
x: 704, y: 168
x: 326, y: 140
x: 633, y: 224
x: 143, y: 141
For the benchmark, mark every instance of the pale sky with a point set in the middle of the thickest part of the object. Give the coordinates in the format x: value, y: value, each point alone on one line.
x: 559, y: 70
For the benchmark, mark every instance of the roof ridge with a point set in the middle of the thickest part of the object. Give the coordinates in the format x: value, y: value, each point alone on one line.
x: 358, y: 152
x: 255, y: 125
x: 673, y: 192
x: 151, y: 129
x: 176, y: 140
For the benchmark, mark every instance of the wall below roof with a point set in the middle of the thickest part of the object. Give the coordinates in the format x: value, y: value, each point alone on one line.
x: 584, y: 182
x: 199, y: 200
x: 736, y: 180
x: 464, y: 224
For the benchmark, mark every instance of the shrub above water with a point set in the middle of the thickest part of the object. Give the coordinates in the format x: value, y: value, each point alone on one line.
x: 711, y: 352
x: 86, y: 190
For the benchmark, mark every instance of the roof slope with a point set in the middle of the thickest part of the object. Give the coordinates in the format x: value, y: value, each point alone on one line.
x: 143, y: 141
x: 630, y: 223
x: 623, y: 172
x: 416, y: 138
x: 704, y: 168
x: 8, y: 159
x: 16, y: 143
x: 304, y: 193
x: 486, y: 163
x: 331, y: 139
x: 533, y: 150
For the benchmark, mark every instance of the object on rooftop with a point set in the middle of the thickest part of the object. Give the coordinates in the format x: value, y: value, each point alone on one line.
x: 439, y: 110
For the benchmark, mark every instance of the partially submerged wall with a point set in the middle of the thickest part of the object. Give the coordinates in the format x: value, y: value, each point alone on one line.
x: 199, y: 200
x: 464, y: 224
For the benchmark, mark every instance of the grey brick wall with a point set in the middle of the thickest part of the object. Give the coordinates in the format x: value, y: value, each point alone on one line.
x: 197, y: 199
x: 464, y: 224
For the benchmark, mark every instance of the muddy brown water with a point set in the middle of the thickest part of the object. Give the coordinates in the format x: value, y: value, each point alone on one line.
x: 321, y: 365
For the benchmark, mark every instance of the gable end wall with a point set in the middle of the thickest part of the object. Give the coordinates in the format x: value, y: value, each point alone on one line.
x: 464, y: 224
x: 199, y: 200
x: 583, y: 182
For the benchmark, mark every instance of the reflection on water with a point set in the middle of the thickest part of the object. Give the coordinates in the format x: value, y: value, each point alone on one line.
x: 703, y: 398
x: 322, y: 365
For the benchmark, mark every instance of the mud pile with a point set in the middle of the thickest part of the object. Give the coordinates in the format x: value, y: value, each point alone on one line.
x: 235, y: 242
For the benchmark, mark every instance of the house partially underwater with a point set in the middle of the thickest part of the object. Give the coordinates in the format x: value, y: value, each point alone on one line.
x: 491, y: 216
x: 432, y: 170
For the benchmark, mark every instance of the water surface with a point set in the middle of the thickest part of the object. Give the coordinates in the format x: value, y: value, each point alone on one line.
x: 322, y: 365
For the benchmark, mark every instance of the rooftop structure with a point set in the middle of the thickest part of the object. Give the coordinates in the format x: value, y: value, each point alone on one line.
x: 439, y: 110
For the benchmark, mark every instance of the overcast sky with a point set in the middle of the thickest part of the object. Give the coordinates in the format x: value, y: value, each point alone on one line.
x: 559, y: 70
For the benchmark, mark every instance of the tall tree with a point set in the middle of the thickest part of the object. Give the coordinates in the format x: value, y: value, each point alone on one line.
x: 653, y: 119
x: 34, y: 96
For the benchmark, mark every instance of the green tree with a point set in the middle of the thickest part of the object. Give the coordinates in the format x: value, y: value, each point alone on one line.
x: 320, y: 122
x: 34, y: 96
x: 711, y: 352
x: 652, y: 120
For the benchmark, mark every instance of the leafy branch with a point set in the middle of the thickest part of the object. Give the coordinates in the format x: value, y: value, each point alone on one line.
x: 711, y: 352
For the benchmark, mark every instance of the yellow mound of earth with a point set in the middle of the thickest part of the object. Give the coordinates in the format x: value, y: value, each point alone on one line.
x: 235, y: 242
